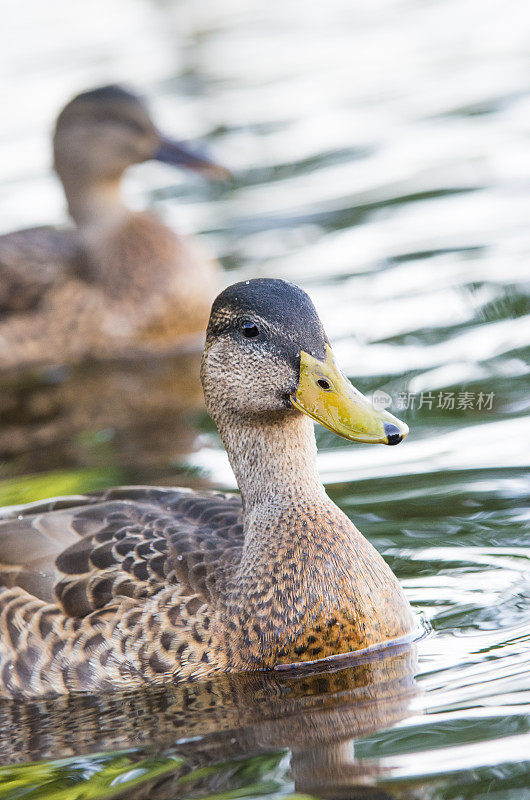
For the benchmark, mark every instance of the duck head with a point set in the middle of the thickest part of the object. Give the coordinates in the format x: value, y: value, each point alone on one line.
x: 267, y: 353
x: 103, y: 131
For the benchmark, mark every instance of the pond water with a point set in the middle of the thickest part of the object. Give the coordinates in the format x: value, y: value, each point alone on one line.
x: 382, y: 161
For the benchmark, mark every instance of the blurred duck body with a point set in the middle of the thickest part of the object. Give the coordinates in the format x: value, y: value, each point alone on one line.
x: 120, y: 279
x: 145, y: 585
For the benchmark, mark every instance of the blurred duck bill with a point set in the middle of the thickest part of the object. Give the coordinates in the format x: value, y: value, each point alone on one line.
x: 171, y: 152
x: 328, y: 397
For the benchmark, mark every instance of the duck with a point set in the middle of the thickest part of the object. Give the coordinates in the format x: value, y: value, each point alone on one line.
x: 120, y: 279
x: 137, y: 586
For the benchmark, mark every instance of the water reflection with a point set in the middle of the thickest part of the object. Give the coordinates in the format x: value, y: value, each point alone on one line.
x: 128, y: 419
x: 195, y: 734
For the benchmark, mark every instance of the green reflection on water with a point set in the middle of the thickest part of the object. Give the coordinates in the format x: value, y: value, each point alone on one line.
x: 100, y: 776
x: 28, y: 488
x: 89, y: 778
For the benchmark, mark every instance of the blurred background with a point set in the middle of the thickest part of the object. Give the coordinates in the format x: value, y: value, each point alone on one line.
x: 381, y: 154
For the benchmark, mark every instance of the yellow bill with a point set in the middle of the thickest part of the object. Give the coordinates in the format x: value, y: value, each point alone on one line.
x: 327, y: 396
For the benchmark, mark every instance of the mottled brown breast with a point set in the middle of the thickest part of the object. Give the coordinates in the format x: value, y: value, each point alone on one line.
x: 320, y: 589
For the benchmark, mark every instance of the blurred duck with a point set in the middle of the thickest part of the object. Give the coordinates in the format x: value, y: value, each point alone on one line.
x: 146, y: 585
x: 121, y: 279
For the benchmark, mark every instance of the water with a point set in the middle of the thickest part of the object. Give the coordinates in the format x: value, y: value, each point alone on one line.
x: 381, y: 153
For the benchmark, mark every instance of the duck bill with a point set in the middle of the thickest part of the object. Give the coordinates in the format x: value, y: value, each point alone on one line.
x: 179, y: 154
x: 328, y: 397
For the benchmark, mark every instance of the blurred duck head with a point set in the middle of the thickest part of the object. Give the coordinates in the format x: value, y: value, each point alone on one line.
x: 101, y: 132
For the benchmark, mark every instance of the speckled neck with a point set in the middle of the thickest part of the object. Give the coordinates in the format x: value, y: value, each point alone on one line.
x: 274, y: 460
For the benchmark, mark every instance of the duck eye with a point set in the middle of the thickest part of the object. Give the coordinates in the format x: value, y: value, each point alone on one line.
x: 249, y: 329
x: 324, y: 384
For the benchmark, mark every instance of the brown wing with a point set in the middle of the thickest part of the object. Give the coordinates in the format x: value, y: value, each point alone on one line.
x: 32, y: 261
x: 85, y: 552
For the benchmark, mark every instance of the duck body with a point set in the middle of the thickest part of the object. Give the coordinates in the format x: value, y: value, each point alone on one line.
x: 144, y: 585
x: 120, y: 280
x: 157, y: 295
x: 164, y: 589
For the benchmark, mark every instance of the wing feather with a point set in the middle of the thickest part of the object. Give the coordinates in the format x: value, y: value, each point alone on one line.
x: 128, y: 542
